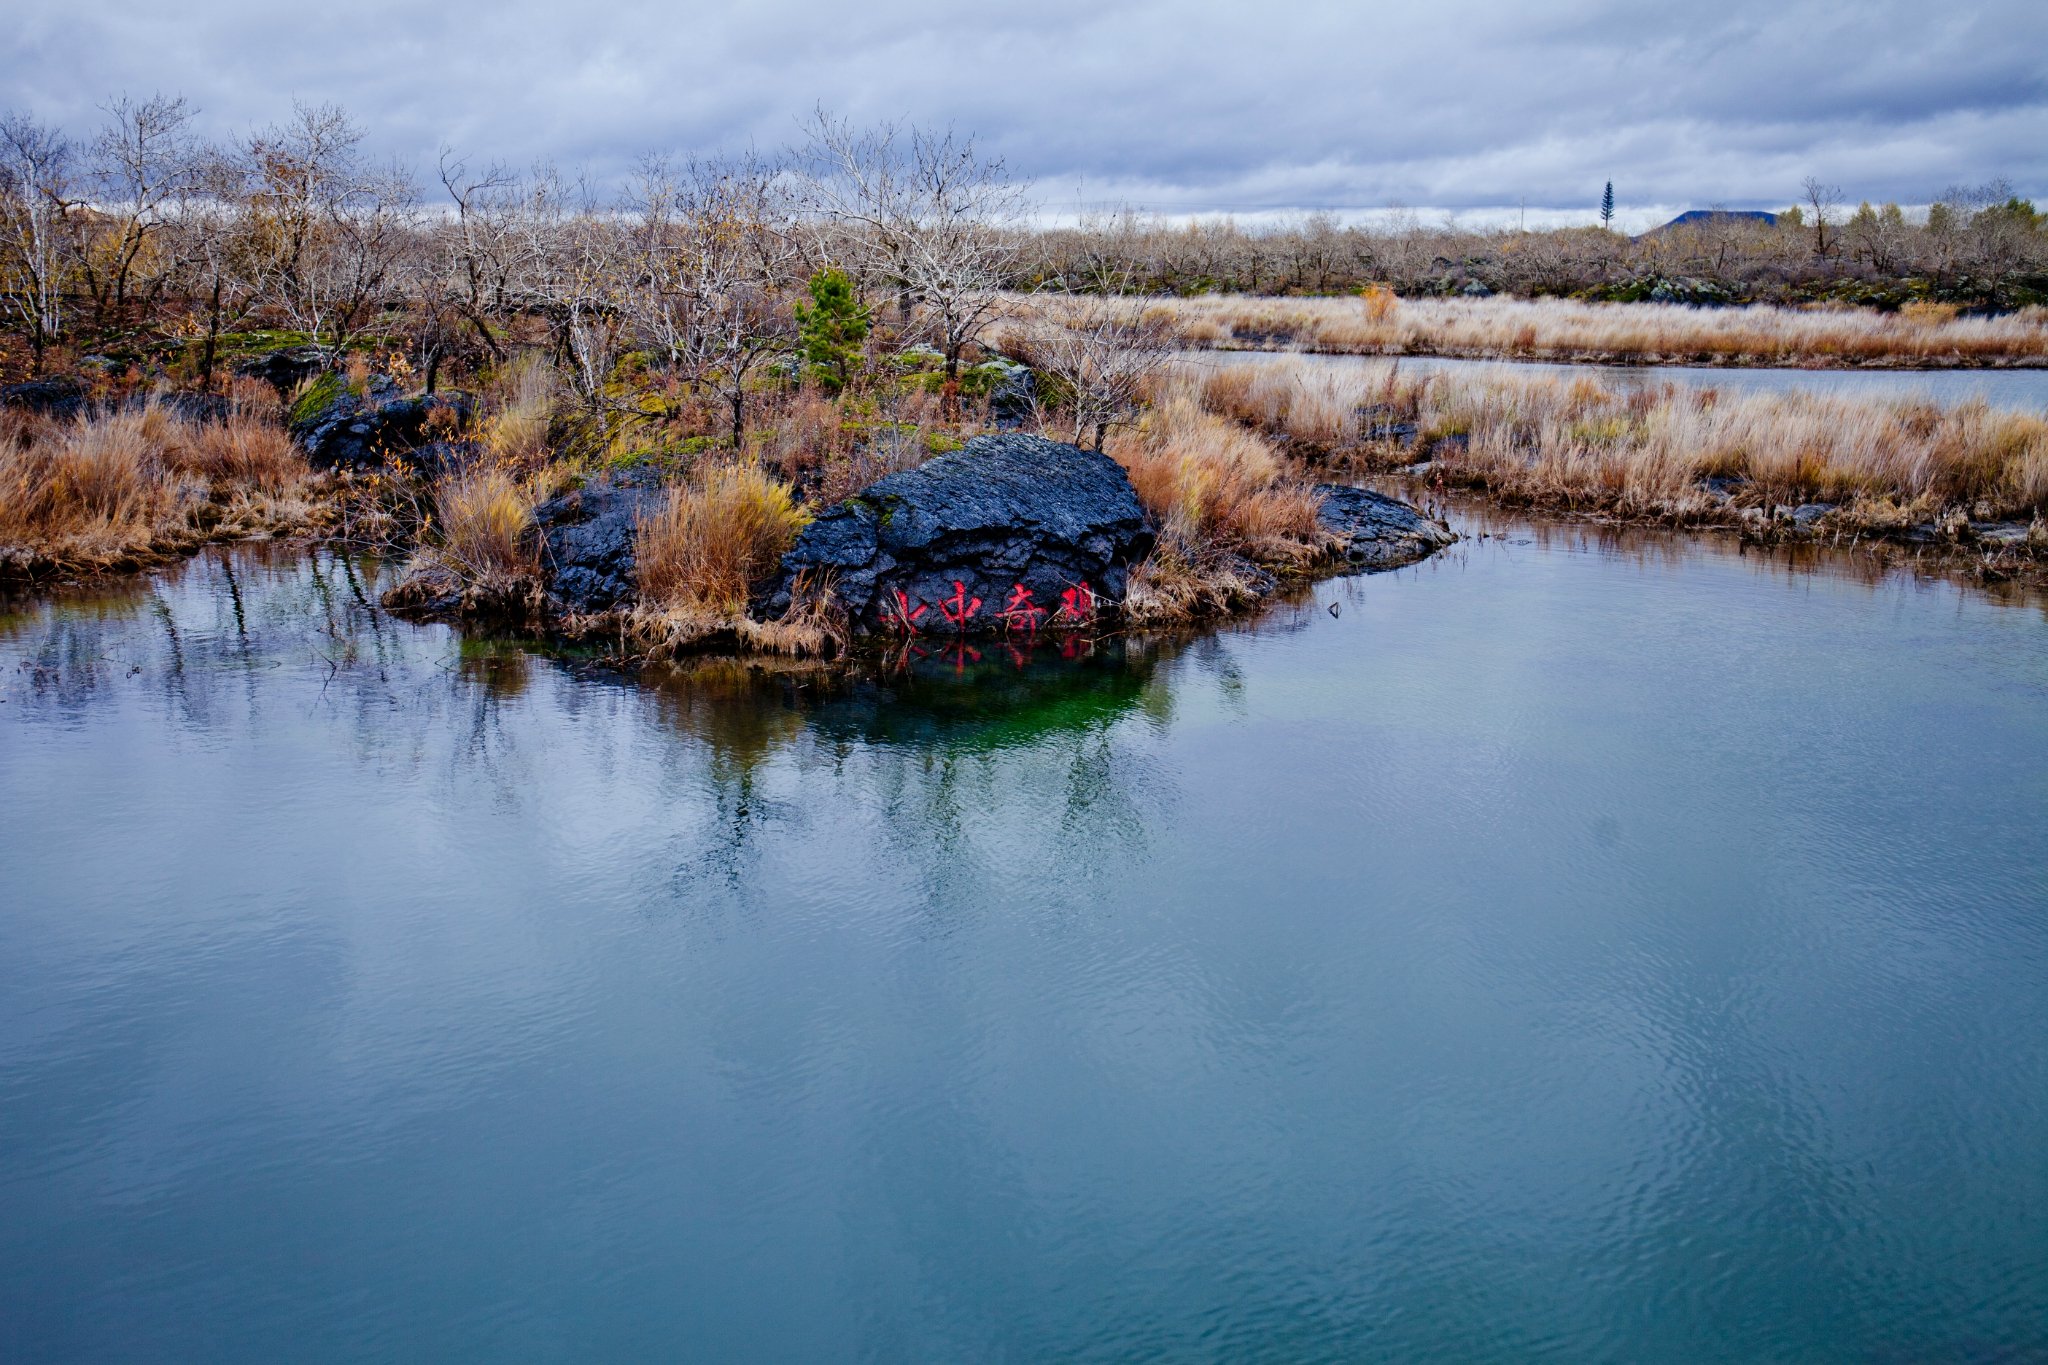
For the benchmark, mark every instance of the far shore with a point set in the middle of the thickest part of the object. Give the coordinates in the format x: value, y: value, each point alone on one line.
x: 1569, y: 331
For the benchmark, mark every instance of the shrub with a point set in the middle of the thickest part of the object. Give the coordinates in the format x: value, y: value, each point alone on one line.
x: 833, y: 330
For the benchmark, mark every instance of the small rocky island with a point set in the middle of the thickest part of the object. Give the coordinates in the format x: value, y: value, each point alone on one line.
x: 1013, y: 532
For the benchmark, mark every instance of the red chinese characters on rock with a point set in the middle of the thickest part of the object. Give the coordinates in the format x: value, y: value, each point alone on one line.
x: 959, y: 608
x: 903, y: 617
x: 1020, y: 613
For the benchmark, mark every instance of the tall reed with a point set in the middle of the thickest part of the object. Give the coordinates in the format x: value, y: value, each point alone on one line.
x: 1651, y: 449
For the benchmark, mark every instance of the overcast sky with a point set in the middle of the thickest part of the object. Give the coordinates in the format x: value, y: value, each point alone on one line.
x: 1257, y: 105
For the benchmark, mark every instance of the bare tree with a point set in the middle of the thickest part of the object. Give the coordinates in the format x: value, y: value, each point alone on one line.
x: 1824, y: 199
x: 331, y: 231
x: 141, y: 165
x: 926, y: 216
x: 1102, y: 352
x: 474, y: 254
x: 714, y: 247
x: 1877, y: 235
x: 210, y: 234
x: 296, y: 170
x: 1997, y: 230
x: 1096, y: 342
x: 372, y: 239
x: 568, y: 263
x: 35, y: 178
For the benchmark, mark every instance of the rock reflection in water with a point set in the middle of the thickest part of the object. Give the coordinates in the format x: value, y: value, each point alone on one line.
x: 984, y: 760
x: 920, y: 728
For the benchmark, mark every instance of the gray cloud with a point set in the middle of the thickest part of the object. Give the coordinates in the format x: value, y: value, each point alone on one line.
x: 1182, y: 107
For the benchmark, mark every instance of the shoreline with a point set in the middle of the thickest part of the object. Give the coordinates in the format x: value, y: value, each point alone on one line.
x: 1462, y: 504
x: 1963, y: 562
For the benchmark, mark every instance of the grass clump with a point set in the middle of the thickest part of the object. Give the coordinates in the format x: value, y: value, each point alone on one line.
x: 477, y: 553
x: 484, y: 517
x: 124, y: 487
x: 700, y: 554
x: 521, y: 401
x: 714, y: 537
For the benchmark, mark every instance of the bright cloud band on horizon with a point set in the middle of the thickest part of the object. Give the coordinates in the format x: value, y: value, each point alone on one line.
x: 1483, y: 109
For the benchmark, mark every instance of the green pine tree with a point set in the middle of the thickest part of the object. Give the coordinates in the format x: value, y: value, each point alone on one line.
x: 833, y: 329
x: 1607, y: 207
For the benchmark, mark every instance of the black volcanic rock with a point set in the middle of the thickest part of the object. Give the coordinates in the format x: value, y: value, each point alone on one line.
x: 342, y: 429
x: 1379, y: 532
x: 59, y: 396
x: 587, y: 538
x: 285, y: 369
x: 1008, y: 532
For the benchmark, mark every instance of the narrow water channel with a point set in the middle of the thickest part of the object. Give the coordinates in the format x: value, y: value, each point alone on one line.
x: 2016, y: 390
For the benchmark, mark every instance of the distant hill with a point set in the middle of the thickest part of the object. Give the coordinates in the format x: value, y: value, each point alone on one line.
x: 1702, y: 217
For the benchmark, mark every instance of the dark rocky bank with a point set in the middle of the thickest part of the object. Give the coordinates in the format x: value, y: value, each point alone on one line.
x: 1010, y: 532
x: 343, y: 428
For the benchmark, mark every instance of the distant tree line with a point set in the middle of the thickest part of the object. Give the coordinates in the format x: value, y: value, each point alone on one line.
x: 1982, y: 247
x: 141, y: 240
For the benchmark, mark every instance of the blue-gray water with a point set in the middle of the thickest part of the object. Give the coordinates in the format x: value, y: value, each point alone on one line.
x: 1577, y: 949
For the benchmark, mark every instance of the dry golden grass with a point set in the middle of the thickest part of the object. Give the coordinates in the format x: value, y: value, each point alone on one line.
x: 1647, y: 450
x: 521, y: 400
x: 1563, y: 329
x: 1179, y: 584
x: 476, y: 549
x: 1312, y: 405
x: 1228, y: 507
x: 1208, y: 481
x: 700, y: 555
x: 484, y: 517
x: 714, y: 538
x: 129, y: 485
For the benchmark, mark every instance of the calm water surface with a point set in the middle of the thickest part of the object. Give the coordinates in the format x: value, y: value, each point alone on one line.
x: 1576, y: 950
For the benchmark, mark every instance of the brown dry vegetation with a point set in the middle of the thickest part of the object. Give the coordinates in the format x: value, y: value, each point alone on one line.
x: 1923, y: 335
x: 1229, y: 507
x: 485, y: 514
x: 122, y: 488
x: 1663, y: 451
x: 699, y: 555
x: 473, y: 543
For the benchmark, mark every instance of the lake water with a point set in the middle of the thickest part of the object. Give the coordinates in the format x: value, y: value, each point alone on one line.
x: 2017, y: 390
x: 1578, y: 948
